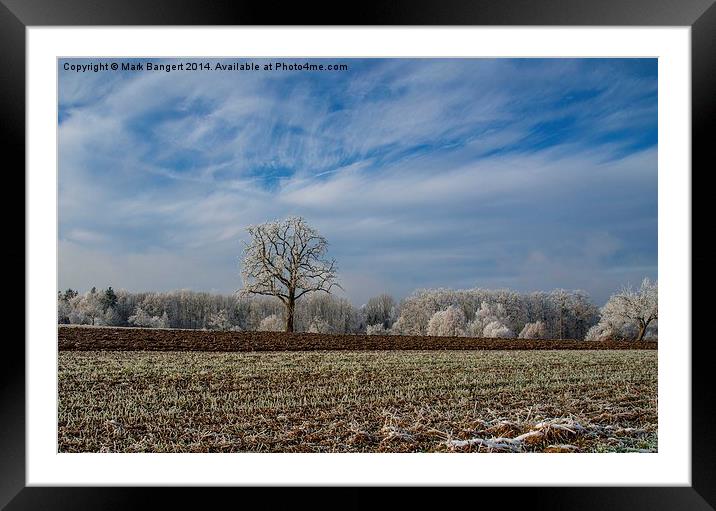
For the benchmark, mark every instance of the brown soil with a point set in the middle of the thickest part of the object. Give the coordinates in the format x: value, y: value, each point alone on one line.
x: 145, y: 339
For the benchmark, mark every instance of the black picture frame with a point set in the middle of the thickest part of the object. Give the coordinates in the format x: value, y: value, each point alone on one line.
x: 700, y: 15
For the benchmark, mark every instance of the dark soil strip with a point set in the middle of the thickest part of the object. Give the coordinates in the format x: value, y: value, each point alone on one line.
x: 145, y: 339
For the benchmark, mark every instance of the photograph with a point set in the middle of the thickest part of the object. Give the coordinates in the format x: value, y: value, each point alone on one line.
x: 357, y: 255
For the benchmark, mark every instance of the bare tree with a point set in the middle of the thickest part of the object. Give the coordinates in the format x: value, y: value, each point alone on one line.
x: 380, y: 310
x: 285, y: 258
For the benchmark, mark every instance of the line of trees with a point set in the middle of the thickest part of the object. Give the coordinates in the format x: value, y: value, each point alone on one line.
x: 629, y: 314
x: 199, y: 310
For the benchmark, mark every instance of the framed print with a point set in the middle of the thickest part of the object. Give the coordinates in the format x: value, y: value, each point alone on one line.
x: 418, y: 249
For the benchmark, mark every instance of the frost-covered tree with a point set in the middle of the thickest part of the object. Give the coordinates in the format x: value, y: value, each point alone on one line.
x: 416, y: 310
x: 63, y: 310
x: 141, y: 318
x: 534, y: 330
x: 319, y: 326
x: 640, y: 306
x: 219, y: 321
x: 378, y: 329
x: 69, y: 294
x: 496, y: 329
x: 108, y: 299
x: 286, y: 259
x: 449, y: 322
x: 583, y: 314
x: 602, y: 332
x: 259, y: 308
x: 86, y: 308
x: 338, y: 313
x: 380, y: 310
x: 272, y: 323
x: 163, y: 321
x: 570, y: 313
x: 494, y: 314
x: 111, y: 317
x: 629, y: 314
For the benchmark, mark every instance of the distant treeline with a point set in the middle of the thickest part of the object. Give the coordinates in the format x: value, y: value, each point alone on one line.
x: 558, y: 314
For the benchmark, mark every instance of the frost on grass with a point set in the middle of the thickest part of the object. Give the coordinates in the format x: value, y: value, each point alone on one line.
x: 335, y: 401
x: 496, y: 444
x: 551, y: 435
x: 544, y: 432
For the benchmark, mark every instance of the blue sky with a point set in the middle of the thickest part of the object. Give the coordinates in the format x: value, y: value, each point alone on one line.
x: 530, y: 174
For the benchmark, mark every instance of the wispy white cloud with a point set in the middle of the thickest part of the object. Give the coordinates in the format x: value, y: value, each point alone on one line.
x: 419, y: 172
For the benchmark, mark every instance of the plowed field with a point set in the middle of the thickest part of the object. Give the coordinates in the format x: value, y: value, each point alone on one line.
x: 140, y: 339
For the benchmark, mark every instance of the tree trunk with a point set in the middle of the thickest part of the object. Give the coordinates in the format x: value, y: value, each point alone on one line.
x: 290, y: 307
x: 642, y: 331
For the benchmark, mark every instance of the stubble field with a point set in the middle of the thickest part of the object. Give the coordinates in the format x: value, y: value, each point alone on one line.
x: 358, y: 401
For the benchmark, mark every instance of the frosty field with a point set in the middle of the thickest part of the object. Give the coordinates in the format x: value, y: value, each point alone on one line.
x: 358, y: 401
